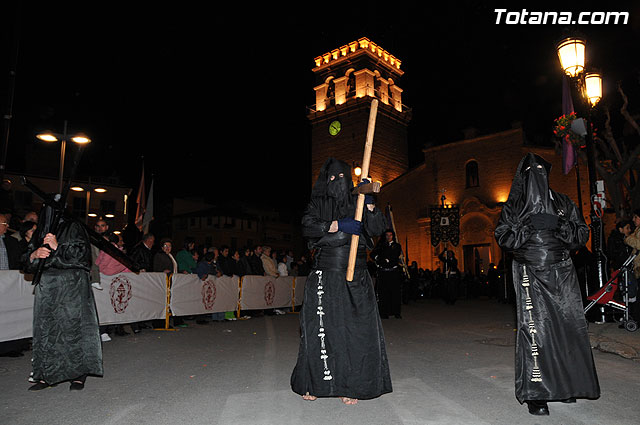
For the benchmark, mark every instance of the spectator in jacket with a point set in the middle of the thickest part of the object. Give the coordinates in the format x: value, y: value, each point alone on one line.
x: 31, y: 216
x: 26, y: 233
x: 142, y: 253
x: 9, y: 249
x: 107, y: 264
x: 185, y: 257
x: 617, y: 250
x: 245, y: 263
x: 164, y: 261
x: 283, y: 270
x: 269, y: 265
x: 225, y: 262
x: 257, y: 269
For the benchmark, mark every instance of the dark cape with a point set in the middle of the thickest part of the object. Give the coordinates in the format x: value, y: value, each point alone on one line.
x: 66, y: 340
x: 389, y: 276
x: 553, y: 352
x: 342, y: 351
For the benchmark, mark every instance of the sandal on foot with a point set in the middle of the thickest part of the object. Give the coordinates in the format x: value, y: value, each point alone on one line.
x: 76, y: 386
x: 39, y: 386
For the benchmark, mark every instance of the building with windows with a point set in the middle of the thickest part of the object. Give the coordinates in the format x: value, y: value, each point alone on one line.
x: 475, y: 175
x: 235, y: 225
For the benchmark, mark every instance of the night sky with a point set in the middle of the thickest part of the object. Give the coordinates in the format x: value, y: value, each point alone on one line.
x: 184, y: 86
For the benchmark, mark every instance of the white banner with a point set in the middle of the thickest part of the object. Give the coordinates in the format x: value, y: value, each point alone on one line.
x: 191, y: 295
x: 298, y: 289
x: 130, y: 297
x: 16, y: 306
x: 264, y: 292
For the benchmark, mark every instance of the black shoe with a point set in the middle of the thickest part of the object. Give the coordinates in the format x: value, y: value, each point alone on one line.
x: 39, y: 386
x: 538, y: 408
x: 398, y: 316
x: 136, y: 331
x: 121, y: 332
x: 569, y: 400
x: 76, y: 386
x: 384, y: 316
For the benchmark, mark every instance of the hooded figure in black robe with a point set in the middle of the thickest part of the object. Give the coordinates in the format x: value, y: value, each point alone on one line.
x: 342, y: 351
x: 540, y: 227
x: 66, y: 337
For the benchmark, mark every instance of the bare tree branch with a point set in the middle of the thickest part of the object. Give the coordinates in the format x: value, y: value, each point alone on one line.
x: 608, y: 135
x: 624, y: 112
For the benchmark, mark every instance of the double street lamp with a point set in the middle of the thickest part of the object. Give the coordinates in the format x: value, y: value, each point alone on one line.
x: 88, y: 188
x: 572, y: 52
x: 51, y: 137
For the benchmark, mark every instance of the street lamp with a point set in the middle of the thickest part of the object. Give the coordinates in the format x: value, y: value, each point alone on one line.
x: 572, y: 52
x: 51, y: 137
x: 593, y: 87
x: 90, y: 188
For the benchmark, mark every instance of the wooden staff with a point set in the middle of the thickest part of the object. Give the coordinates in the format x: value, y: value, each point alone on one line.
x: 353, y: 252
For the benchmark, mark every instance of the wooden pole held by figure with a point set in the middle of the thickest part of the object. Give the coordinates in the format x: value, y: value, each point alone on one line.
x: 353, y: 252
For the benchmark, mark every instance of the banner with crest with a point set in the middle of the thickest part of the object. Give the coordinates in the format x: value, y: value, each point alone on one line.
x: 445, y: 224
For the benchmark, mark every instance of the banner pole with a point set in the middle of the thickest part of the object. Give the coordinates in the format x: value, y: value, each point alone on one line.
x: 167, y: 305
x: 239, y: 297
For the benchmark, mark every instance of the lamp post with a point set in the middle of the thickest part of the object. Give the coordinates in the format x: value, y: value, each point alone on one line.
x: 88, y: 188
x: 571, y: 52
x: 51, y: 137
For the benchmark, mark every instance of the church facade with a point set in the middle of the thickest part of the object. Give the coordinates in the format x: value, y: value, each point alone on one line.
x: 475, y: 176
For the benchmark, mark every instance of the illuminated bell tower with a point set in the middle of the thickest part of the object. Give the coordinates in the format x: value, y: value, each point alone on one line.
x: 347, y: 79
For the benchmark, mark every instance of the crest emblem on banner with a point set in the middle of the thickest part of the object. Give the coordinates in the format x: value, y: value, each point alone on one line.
x: 120, y: 292
x: 209, y: 292
x: 445, y: 224
x: 269, y: 292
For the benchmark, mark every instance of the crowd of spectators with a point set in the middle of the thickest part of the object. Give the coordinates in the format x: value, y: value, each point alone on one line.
x: 204, y: 261
x: 149, y: 256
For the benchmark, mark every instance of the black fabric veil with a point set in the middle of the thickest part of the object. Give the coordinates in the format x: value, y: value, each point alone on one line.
x: 530, y: 192
x: 336, y: 191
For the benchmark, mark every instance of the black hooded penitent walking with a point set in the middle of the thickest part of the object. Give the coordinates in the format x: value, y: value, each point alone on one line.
x: 66, y: 340
x: 553, y: 361
x: 342, y: 350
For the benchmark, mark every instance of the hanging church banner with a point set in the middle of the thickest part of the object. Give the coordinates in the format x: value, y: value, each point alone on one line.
x: 445, y: 224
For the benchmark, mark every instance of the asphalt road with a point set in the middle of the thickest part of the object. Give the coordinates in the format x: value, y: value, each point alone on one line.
x: 449, y: 365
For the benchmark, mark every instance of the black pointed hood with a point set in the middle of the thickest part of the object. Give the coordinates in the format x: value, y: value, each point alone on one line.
x: 530, y: 192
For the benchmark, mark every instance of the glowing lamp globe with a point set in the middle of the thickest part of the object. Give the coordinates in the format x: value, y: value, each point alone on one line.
x: 593, y: 87
x: 571, y: 52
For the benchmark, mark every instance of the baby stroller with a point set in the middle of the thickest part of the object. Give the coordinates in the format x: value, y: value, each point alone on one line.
x: 619, y: 279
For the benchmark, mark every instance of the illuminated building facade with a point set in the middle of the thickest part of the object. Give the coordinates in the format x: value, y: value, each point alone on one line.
x: 347, y: 79
x: 474, y: 174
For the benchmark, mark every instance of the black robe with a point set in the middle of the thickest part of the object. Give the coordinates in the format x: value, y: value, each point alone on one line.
x: 553, y: 352
x: 342, y: 351
x: 66, y: 339
x: 389, y: 277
